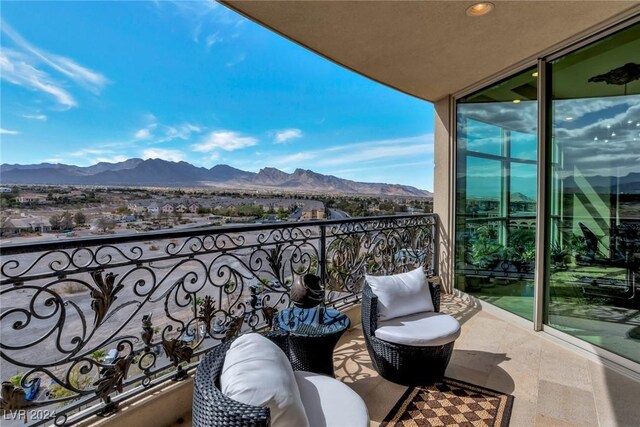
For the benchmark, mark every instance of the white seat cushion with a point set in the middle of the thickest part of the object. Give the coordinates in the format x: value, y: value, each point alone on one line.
x: 420, y: 330
x: 330, y: 403
x: 401, y: 294
x: 257, y: 372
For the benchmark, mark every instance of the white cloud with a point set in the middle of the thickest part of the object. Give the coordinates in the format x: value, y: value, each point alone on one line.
x: 182, y: 131
x: 203, y: 16
x: 15, y: 69
x: 8, y: 132
x: 195, y: 35
x: 236, y: 59
x: 53, y: 160
x: 90, y: 152
x: 287, y: 134
x: 224, y: 140
x: 162, y: 133
x: 213, y: 39
x: 144, y: 133
x: 89, y: 79
x: 35, y: 116
x: 112, y: 159
x: 164, y: 154
x: 293, y: 161
x: 354, y: 154
x: 350, y: 171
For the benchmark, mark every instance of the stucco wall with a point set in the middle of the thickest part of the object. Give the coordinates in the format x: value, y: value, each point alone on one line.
x: 443, y: 190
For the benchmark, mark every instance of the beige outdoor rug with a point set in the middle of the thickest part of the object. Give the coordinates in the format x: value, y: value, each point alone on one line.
x: 450, y: 403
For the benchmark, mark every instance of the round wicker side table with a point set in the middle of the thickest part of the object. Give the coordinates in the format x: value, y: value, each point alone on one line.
x: 313, y: 334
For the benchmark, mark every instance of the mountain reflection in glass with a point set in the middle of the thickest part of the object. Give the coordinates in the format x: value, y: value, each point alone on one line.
x: 496, y: 193
x: 594, y: 274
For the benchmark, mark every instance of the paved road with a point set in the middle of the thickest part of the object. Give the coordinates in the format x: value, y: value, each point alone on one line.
x: 337, y: 214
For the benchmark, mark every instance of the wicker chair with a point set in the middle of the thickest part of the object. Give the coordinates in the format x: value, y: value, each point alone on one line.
x: 398, y: 363
x: 211, y: 408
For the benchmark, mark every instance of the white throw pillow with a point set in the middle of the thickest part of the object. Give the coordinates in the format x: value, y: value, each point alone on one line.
x: 257, y: 372
x: 401, y: 294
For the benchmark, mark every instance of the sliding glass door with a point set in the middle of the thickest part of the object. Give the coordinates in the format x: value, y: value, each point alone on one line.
x: 594, y: 260
x: 496, y: 193
x: 591, y: 276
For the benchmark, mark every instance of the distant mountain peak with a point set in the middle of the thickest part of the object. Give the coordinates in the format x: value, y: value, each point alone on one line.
x: 163, y: 173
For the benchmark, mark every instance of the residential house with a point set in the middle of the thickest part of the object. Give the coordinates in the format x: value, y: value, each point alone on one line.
x: 167, y: 208
x: 153, y: 208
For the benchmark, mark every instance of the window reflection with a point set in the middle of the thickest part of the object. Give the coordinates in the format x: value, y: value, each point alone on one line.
x: 595, y: 197
x: 496, y: 194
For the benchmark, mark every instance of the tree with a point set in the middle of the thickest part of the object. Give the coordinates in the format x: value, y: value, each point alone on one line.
x: 202, y: 211
x: 282, y: 214
x: 105, y: 224
x: 66, y: 221
x: 54, y: 220
x: 249, y: 210
x: 79, y: 218
x: 98, y: 355
x: 122, y: 210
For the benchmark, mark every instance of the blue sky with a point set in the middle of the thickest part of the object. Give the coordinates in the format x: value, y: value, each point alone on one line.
x: 84, y: 82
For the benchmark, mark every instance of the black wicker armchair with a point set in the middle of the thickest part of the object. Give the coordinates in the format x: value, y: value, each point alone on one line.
x: 211, y: 408
x: 326, y: 401
x: 398, y: 363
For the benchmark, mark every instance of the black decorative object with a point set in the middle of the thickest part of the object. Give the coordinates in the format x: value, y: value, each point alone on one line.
x: 306, y: 291
x: 12, y: 397
x: 178, y: 351
x: 619, y: 76
x: 112, y: 379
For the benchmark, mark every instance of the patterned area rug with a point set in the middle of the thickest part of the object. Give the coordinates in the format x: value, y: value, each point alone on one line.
x: 450, y: 403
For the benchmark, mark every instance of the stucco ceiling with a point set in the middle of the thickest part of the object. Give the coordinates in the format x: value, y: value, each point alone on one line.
x: 430, y: 49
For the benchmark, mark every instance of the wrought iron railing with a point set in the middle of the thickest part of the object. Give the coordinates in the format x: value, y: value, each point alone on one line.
x: 109, y: 317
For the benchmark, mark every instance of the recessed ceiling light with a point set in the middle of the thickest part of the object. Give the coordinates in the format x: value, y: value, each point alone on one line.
x: 479, y: 9
x: 534, y: 74
x: 516, y: 101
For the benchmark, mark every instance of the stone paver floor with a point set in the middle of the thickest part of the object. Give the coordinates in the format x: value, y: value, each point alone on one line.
x: 552, y: 385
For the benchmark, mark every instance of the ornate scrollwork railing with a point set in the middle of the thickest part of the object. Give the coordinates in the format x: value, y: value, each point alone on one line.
x: 88, y: 319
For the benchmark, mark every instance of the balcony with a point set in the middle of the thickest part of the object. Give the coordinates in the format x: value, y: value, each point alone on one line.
x: 161, y: 300
x: 90, y: 323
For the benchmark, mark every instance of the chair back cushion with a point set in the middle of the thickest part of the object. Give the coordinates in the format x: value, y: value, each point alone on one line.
x: 401, y: 294
x: 258, y: 373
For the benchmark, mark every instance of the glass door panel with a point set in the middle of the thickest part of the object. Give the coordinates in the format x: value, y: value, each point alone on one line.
x: 496, y: 193
x: 595, y: 194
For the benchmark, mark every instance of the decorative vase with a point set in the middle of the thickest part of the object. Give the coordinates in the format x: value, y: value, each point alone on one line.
x: 306, y: 291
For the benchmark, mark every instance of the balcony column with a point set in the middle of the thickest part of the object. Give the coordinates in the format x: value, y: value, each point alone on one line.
x: 443, y: 188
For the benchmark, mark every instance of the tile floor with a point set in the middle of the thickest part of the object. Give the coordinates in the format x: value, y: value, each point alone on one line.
x: 553, y: 386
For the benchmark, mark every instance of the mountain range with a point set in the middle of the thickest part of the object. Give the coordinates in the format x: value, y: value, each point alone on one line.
x: 162, y: 173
